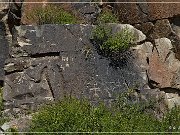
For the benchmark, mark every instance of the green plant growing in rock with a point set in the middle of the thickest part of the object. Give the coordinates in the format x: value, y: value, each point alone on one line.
x: 52, y: 15
x: 1, y: 99
x: 101, y: 33
x: 113, y: 43
x: 107, y: 17
x: 2, y: 120
x: 171, y: 121
x: 74, y: 115
x: 118, y: 42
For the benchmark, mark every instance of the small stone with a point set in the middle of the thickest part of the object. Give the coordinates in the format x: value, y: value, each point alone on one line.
x: 5, y: 126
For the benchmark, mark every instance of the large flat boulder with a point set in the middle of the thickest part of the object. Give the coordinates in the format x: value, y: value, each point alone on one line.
x: 59, y: 60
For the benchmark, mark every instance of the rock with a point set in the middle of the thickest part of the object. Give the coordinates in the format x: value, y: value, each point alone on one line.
x: 172, y: 100
x: 175, y: 23
x: 20, y: 124
x: 143, y: 52
x: 5, y: 126
x: 87, y: 11
x: 4, y: 45
x: 3, y: 40
x: 62, y: 61
x: 161, y: 29
x: 146, y: 28
x: 3, y: 8
x: 158, y: 98
x: 133, y: 13
x: 158, y: 72
x: 163, y: 66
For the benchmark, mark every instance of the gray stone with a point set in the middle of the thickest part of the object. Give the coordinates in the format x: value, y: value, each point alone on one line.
x: 21, y: 124
x: 4, y: 5
x: 172, y: 99
x: 87, y: 11
x: 5, y: 126
x: 61, y: 61
x: 3, y: 49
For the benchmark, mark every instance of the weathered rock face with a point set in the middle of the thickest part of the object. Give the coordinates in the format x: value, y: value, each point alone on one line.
x: 3, y: 40
x: 4, y: 50
x: 60, y: 60
x: 3, y: 8
x: 163, y: 66
x: 144, y: 12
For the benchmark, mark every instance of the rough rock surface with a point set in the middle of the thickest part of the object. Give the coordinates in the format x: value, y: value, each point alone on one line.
x: 60, y: 60
x: 3, y: 8
x: 3, y: 49
x: 21, y: 124
x: 144, y: 12
x: 160, y: 29
x: 163, y: 66
x: 172, y: 99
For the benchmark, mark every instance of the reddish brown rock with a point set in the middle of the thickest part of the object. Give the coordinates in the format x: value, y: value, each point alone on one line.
x: 164, y: 68
x: 142, y: 12
x: 158, y: 72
